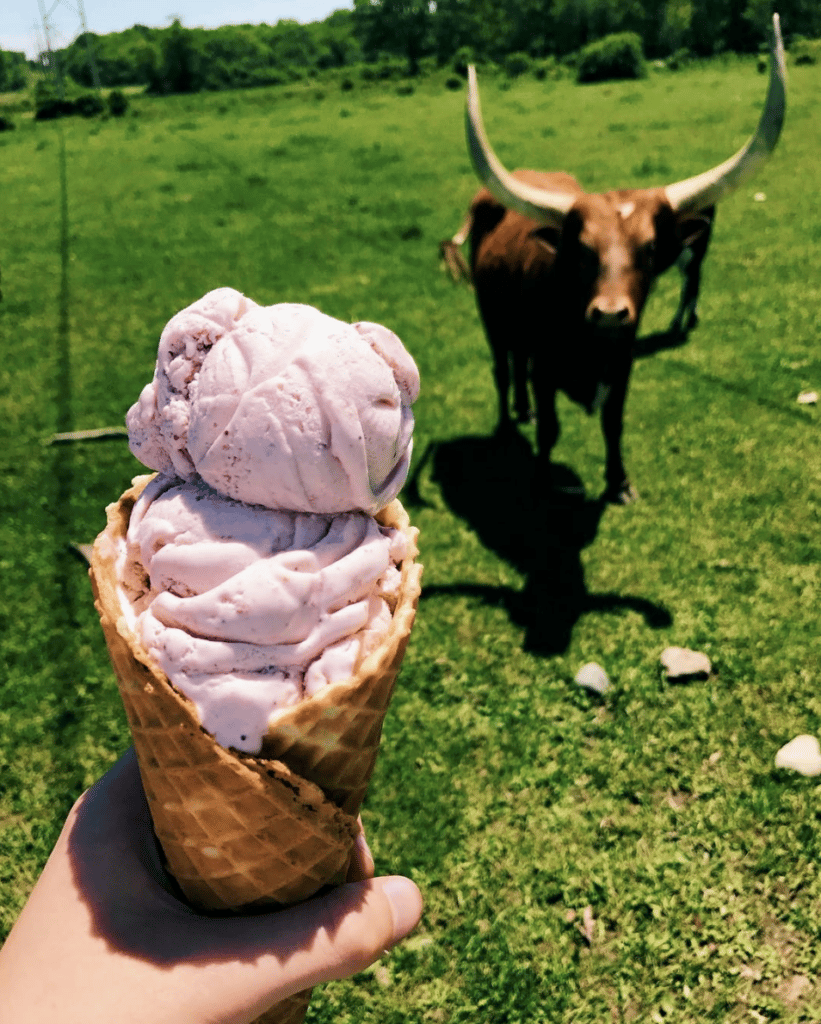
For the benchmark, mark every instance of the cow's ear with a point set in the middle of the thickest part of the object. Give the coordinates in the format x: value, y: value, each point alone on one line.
x: 548, y: 236
x: 691, y: 227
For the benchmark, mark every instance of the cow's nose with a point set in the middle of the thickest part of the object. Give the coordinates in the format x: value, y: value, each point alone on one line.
x: 609, y: 316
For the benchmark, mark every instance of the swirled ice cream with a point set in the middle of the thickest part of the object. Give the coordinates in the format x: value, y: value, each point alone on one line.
x: 254, y: 571
x: 280, y: 406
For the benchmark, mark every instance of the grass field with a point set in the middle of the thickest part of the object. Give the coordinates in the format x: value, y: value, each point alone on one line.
x: 631, y: 858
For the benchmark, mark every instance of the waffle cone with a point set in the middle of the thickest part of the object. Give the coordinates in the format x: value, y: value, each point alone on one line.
x: 242, y: 832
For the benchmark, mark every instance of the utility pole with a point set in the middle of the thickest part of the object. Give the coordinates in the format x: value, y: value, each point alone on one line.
x: 78, y: 8
x: 53, y: 61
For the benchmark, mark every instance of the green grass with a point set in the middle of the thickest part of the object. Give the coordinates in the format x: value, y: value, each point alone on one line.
x: 514, y: 799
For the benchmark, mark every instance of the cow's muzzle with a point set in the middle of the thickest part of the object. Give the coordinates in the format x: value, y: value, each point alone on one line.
x: 611, y: 315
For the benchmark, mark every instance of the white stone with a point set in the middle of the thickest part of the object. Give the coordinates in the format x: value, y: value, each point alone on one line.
x: 682, y: 663
x: 803, y: 755
x: 593, y: 677
x: 807, y: 398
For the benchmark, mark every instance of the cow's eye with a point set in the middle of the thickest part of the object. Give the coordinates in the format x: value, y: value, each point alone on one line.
x: 646, y: 255
x: 588, y: 260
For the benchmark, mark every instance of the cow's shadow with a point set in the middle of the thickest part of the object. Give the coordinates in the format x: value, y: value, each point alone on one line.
x: 660, y: 341
x: 491, y: 484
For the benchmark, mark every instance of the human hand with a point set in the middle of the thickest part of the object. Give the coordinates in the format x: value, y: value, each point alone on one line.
x: 104, y: 938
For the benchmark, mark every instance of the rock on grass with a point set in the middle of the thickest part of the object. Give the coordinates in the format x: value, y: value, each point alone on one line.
x: 681, y: 664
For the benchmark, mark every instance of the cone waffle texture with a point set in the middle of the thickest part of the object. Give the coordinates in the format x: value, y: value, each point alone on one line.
x: 242, y: 832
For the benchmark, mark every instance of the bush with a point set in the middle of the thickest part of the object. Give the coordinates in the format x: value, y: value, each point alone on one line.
x: 386, y: 69
x: 806, y: 51
x: 454, y: 82
x: 48, y: 108
x: 516, y: 64
x: 6, y: 124
x: 89, y: 104
x: 48, y: 105
x: 461, y: 59
x: 615, y: 56
x: 678, y: 59
x: 117, y: 103
x: 547, y: 67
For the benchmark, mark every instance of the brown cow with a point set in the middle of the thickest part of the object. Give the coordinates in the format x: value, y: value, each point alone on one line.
x: 562, y: 275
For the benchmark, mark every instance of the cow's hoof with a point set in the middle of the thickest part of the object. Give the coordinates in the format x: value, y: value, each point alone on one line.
x: 680, y: 329
x: 624, y: 494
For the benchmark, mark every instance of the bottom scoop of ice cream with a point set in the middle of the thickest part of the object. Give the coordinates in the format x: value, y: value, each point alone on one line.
x: 280, y: 406
x: 248, y: 610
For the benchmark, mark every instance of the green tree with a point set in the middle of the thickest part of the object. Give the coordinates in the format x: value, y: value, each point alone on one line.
x: 292, y: 45
x: 179, y: 67
x: 13, y: 71
x: 336, y: 40
x: 401, y: 27
x: 798, y: 17
x: 672, y: 32
x: 718, y: 25
x: 450, y: 29
x: 487, y: 27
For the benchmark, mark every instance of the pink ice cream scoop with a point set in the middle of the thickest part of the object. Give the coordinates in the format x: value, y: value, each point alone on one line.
x: 280, y: 406
x: 247, y: 609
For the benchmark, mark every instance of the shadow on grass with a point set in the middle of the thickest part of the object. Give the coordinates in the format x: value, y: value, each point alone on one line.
x: 491, y: 483
x: 659, y: 341
x: 63, y: 647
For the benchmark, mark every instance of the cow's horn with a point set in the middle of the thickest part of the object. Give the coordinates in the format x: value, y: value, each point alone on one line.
x: 540, y: 204
x: 705, y: 189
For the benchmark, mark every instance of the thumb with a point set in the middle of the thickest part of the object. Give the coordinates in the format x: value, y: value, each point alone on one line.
x: 360, y: 922
x: 324, y: 939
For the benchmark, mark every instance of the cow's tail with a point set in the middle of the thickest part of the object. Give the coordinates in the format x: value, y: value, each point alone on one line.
x: 451, y: 253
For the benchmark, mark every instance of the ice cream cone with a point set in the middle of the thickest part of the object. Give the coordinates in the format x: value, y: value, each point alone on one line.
x: 242, y: 832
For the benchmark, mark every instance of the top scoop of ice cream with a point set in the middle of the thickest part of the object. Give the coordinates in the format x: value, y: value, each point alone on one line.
x: 280, y: 406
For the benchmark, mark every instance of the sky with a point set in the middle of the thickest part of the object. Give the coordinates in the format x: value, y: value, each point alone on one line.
x: 21, y: 27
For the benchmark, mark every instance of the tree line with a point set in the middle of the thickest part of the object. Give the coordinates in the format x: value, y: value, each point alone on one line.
x: 418, y: 33
x: 558, y: 28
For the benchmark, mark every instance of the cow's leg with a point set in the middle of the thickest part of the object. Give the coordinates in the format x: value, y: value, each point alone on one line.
x: 686, y: 316
x: 696, y: 232
x: 619, y: 490
x: 498, y: 334
x: 521, y: 398
x: 501, y: 377
x: 548, y: 430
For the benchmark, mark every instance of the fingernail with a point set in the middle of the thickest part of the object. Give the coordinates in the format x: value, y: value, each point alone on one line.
x: 406, y: 904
